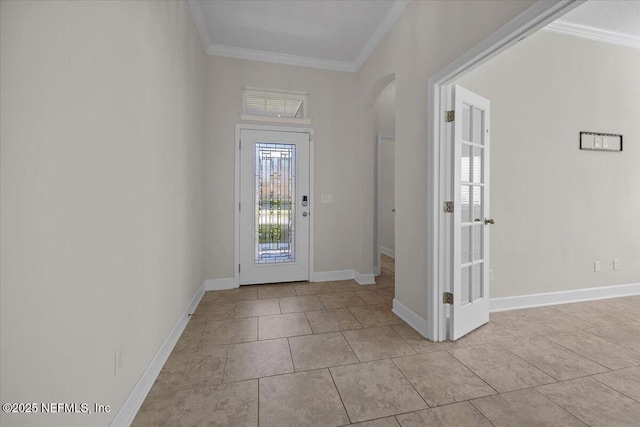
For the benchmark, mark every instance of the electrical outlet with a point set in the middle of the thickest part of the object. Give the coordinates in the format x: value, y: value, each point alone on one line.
x: 119, y: 360
x: 616, y: 264
x: 596, y: 266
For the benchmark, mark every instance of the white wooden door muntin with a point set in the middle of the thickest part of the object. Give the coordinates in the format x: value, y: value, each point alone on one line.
x: 469, y: 311
x: 249, y: 271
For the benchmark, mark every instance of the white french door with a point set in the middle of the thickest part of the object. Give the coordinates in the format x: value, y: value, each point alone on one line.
x: 274, y: 206
x: 471, y: 218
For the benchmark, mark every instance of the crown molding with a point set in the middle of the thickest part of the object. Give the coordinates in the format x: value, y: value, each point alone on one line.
x: 287, y: 59
x: 201, y: 25
x: 279, y: 58
x: 380, y: 32
x: 596, y: 34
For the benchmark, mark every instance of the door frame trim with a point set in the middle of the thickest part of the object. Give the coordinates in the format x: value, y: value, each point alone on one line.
x: 439, y: 189
x: 377, y: 268
x: 236, y: 218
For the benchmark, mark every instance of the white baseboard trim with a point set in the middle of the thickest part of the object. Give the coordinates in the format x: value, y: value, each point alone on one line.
x: 364, y: 279
x: 564, y: 297
x: 318, y: 276
x: 388, y: 252
x: 132, y: 404
x: 330, y: 276
x: 221, y: 284
x: 411, y: 318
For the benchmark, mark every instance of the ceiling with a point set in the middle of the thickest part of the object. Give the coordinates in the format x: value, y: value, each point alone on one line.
x: 340, y: 34
x: 332, y: 34
x: 613, y: 21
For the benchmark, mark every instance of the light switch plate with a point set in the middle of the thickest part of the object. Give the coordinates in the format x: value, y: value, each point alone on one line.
x: 119, y: 359
x: 326, y: 198
x: 600, y: 141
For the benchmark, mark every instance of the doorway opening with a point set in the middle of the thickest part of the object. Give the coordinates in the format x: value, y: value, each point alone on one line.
x: 385, y: 206
x: 441, y: 188
x: 274, y: 229
x: 384, y: 108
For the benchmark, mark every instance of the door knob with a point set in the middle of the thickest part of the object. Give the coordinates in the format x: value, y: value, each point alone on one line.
x: 489, y: 221
x: 304, y: 214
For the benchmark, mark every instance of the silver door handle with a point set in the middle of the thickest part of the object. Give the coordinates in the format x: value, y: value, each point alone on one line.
x: 489, y: 221
x: 304, y: 214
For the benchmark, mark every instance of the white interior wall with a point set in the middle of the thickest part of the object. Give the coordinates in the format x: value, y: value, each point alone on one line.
x: 334, y: 109
x: 557, y: 208
x: 102, y: 143
x: 384, y: 109
x: 424, y: 39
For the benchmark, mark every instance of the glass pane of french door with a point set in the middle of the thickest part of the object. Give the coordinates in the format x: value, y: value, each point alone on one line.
x: 275, y: 195
x: 472, y: 205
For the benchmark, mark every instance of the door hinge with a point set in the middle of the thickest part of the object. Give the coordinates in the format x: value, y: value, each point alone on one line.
x: 447, y: 298
x: 240, y: 145
x: 449, y: 116
x: 239, y: 206
x: 447, y: 207
x: 238, y: 268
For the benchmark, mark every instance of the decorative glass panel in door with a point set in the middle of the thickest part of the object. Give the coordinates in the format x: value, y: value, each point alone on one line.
x: 274, y: 203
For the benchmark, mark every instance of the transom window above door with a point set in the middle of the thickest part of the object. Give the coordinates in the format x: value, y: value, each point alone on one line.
x: 275, y: 106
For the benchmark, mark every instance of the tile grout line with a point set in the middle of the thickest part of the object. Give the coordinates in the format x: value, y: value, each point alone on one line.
x: 409, y: 381
x: 349, y: 344
x: 478, y: 409
x: 293, y: 364
x: 524, y: 361
x: 407, y: 342
x: 472, y: 372
x: 560, y: 406
x: 224, y: 368
x: 339, y: 395
x: 309, y: 323
x: 517, y: 355
x: 613, y: 388
x: 579, y: 354
x: 257, y: 328
x: 356, y: 317
x: 258, y: 402
x: 584, y: 355
x: 614, y: 342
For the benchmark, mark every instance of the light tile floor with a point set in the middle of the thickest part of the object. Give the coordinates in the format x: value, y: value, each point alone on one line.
x: 331, y: 354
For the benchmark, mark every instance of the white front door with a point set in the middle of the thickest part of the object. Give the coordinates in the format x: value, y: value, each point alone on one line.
x: 471, y: 219
x: 274, y: 206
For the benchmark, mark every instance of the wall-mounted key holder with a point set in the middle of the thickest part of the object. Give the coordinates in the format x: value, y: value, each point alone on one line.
x: 600, y: 141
